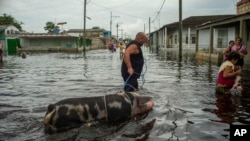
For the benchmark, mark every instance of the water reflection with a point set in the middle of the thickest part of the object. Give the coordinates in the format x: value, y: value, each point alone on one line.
x: 226, y: 108
x: 186, y: 107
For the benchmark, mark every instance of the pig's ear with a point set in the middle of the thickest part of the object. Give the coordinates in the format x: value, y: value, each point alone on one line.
x: 141, y: 100
x: 48, y: 116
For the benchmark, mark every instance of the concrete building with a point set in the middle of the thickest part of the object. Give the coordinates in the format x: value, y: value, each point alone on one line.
x: 167, y: 36
x: 206, y: 35
x: 220, y: 32
x: 8, y: 39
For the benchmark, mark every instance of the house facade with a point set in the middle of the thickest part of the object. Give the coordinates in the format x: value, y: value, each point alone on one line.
x: 47, y: 42
x: 220, y: 32
x: 95, y: 37
x: 167, y: 36
x: 8, y: 39
x: 14, y: 41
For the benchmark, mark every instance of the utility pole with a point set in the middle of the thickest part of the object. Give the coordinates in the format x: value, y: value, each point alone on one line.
x: 144, y: 28
x: 180, y: 30
x: 149, y: 30
x: 121, y: 33
x: 84, y: 27
x: 117, y: 33
x: 111, y: 19
x: 110, y: 26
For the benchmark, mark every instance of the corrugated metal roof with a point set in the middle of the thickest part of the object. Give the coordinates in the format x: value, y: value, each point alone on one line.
x: 193, y: 21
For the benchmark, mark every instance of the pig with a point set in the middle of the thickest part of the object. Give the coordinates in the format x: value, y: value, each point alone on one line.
x: 74, y: 112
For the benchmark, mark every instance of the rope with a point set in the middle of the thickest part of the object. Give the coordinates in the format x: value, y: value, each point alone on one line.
x: 131, y: 102
x: 142, y: 75
x: 106, y: 110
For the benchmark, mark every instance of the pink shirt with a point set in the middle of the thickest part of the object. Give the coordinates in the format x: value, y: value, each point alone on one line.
x: 241, y: 48
x: 229, y: 82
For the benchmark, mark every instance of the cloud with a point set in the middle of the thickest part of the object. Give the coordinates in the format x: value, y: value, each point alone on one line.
x: 133, y: 14
x: 134, y: 27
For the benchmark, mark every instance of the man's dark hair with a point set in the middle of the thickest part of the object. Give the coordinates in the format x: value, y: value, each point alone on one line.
x: 233, y: 55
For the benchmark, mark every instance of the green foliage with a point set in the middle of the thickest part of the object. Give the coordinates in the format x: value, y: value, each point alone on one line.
x: 50, y: 27
x: 9, y: 20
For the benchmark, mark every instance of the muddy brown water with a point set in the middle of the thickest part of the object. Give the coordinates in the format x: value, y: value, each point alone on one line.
x: 186, y: 107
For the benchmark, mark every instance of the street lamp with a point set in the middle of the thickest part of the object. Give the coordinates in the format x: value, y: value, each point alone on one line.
x: 111, y: 19
x: 62, y: 23
x: 88, y: 17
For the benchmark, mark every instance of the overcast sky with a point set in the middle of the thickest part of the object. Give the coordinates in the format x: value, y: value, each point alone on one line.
x: 133, y: 14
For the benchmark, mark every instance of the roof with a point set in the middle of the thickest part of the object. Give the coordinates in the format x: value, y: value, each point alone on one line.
x: 43, y: 35
x: 3, y: 27
x: 235, y: 18
x: 242, y: 2
x: 87, y: 30
x: 193, y: 21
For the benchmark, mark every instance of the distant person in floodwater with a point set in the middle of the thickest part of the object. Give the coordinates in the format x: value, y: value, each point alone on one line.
x: 23, y: 54
x: 121, y: 47
x: 111, y: 47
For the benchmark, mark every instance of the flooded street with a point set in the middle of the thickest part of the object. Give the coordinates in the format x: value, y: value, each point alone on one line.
x: 186, y: 107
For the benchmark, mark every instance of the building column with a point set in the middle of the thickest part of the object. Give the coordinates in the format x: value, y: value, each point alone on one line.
x: 189, y: 36
x: 197, y: 41
x: 211, y: 43
x: 241, y: 29
x: 166, y: 38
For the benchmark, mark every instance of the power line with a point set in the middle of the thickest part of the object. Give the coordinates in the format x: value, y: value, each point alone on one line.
x: 159, y: 11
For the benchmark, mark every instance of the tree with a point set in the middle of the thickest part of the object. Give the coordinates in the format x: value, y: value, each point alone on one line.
x: 51, y: 27
x: 9, y: 20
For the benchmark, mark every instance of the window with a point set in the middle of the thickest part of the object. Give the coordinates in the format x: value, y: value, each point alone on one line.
x: 222, y: 38
x: 175, y: 39
x: 192, y: 38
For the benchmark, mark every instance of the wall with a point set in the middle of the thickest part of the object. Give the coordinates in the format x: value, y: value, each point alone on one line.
x: 49, y: 42
x: 243, y: 8
x: 10, y: 30
x: 203, y: 39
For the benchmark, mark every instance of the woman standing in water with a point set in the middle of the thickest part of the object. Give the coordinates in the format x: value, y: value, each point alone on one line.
x: 240, y: 48
x: 228, y: 73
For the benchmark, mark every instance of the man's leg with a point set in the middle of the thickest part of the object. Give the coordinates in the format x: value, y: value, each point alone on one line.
x: 131, y: 84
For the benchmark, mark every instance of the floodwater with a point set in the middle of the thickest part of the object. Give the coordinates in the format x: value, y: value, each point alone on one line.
x: 186, y: 107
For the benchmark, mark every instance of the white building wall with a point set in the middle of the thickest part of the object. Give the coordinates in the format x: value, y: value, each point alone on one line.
x: 10, y: 30
x: 184, y: 33
x: 75, y: 34
x: 230, y: 36
x: 231, y: 33
x: 203, y: 39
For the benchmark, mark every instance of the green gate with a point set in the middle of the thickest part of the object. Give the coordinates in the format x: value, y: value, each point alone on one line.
x: 12, y: 44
